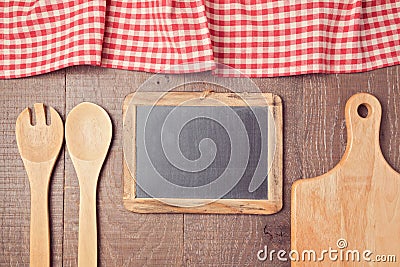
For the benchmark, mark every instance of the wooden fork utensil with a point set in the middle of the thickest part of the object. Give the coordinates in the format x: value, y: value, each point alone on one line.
x: 39, y: 146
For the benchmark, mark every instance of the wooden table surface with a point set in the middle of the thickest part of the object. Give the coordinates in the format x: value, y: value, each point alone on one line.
x: 314, y: 141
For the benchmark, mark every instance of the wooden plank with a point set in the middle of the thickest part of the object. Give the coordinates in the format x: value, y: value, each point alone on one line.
x: 385, y: 85
x: 234, y: 240
x: 213, y: 240
x: 325, y: 136
x: 15, y: 96
x: 324, y: 100
x: 125, y: 238
x: 229, y: 206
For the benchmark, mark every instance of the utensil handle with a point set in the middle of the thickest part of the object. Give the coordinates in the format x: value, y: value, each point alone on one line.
x: 40, y: 230
x: 362, y: 132
x: 87, y: 249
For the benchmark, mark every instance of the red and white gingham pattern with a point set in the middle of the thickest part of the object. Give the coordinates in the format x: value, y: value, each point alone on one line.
x: 276, y: 38
x: 42, y: 36
x: 259, y: 38
x: 156, y: 35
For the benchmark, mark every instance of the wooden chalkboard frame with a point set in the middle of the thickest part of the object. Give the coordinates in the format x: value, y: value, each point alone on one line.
x: 221, y: 206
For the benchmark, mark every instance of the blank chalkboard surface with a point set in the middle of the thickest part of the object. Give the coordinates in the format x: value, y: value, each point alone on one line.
x: 151, y: 160
x: 187, y: 153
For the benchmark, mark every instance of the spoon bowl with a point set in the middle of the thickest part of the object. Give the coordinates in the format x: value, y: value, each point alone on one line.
x: 88, y: 132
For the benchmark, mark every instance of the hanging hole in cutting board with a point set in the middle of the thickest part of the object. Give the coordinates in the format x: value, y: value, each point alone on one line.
x: 364, y: 110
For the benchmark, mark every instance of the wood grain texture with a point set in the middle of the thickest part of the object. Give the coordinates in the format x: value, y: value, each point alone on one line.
x: 234, y: 240
x: 39, y: 144
x: 88, y: 134
x: 220, y: 206
x: 356, y: 201
x: 325, y: 135
x: 125, y: 238
x: 15, y: 96
x: 314, y: 141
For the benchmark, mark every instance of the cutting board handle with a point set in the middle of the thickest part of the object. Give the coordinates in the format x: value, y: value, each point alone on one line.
x: 363, y: 148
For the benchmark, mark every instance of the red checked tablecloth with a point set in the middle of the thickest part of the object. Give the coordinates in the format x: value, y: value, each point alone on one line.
x: 259, y: 38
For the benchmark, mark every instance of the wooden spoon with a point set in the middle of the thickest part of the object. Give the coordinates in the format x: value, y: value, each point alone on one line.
x: 39, y: 146
x: 88, y: 132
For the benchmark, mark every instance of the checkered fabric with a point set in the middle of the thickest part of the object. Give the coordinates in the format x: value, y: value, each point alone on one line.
x: 277, y: 38
x: 42, y: 36
x: 156, y: 35
x: 256, y: 37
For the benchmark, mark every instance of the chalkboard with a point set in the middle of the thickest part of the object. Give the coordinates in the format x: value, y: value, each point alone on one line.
x: 187, y: 153
x: 151, y: 160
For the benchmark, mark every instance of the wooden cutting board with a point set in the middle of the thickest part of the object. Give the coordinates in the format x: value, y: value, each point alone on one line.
x: 356, y: 205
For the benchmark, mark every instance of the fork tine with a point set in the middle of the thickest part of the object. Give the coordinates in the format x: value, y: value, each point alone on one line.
x: 55, y: 118
x: 25, y: 118
x: 40, y: 114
